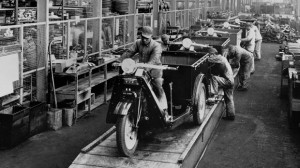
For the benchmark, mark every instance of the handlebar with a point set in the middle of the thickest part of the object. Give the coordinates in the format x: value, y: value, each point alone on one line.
x: 144, y: 65
x: 115, y: 64
x: 172, y: 68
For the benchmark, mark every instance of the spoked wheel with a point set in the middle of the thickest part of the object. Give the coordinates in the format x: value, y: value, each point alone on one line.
x: 127, y: 135
x: 199, y: 111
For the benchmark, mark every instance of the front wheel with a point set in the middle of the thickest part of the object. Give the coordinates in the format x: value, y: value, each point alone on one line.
x: 199, y: 111
x: 127, y: 135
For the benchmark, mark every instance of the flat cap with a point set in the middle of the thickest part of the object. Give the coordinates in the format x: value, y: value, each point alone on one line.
x: 147, y: 32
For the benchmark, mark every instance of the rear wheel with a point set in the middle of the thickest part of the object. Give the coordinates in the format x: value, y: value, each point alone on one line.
x: 199, y: 111
x: 127, y: 135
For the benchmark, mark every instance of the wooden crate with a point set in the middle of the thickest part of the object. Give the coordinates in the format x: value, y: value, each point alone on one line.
x: 54, y: 119
x: 37, y: 117
x: 14, y: 126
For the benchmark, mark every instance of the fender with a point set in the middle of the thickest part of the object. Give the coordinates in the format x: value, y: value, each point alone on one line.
x: 199, y: 78
x: 122, y: 108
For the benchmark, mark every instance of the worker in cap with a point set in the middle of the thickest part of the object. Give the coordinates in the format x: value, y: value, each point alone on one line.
x: 249, y: 42
x: 149, y: 51
x: 241, y: 63
x: 222, y: 77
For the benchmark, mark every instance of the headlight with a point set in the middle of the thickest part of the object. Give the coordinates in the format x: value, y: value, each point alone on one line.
x: 187, y: 43
x: 128, y: 66
x: 226, y: 25
x: 211, y: 31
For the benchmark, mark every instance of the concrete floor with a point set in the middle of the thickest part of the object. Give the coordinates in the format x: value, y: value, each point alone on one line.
x: 56, y: 149
x: 259, y: 137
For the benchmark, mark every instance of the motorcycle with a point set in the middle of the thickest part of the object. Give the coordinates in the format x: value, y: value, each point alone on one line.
x: 134, y: 106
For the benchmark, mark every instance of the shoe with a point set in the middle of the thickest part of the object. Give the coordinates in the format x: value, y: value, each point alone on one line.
x: 167, y: 117
x: 242, y: 89
x: 231, y: 118
x: 252, y: 73
x: 257, y: 59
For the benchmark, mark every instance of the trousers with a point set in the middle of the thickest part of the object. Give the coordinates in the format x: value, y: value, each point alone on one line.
x: 257, y: 49
x: 160, y: 93
x: 244, y: 73
x: 227, y: 87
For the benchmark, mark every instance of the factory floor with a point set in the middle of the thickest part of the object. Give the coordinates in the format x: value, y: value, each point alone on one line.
x: 259, y: 136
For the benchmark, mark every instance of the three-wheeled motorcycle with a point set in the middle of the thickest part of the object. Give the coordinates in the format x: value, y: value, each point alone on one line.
x: 134, y: 106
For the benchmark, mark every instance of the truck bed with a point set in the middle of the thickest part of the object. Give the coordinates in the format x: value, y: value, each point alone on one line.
x: 180, y: 147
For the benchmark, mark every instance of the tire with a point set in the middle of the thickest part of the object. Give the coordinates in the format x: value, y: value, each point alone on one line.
x: 199, y: 110
x: 126, y: 135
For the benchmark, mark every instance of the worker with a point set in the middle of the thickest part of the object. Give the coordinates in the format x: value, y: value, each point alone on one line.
x: 165, y: 41
x: 222, y: 77
x: 30, y: 49
x: 240, y: 59
x: 149, y: 51
x: 249, y: 42
x: 258, y: 41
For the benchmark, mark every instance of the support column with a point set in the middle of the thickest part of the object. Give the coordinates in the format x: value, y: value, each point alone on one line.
x: 186, y: 14
x: 155, y: 17
x: 205, y: 9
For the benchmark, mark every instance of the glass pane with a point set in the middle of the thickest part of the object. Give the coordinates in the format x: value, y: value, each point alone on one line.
x: 193, y: 17
x: 140, y: 19
x: 120, y: 6
x: 163, y: 23
x: 107, y: 33
x: 179, y: 20
x: 90, y: 8
x: 180, y: 5
x: 148, y: 20
x: 71, y: 9
x: 93, y: 36
x: 57, y: 38
x: 34, y: 44
x: 129, y: 31
x: 192, y: 5
x: 119, y: 31
x: 9, y: 36
x: 76, y: 41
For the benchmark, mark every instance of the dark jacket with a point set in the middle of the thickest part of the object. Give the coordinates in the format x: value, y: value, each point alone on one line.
x: 239, y: 55
x: 150, y: 54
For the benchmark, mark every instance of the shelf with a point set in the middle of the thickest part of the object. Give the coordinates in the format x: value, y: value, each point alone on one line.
x: 27, y: 7
x: 83, y: 83
x: 13, y: 97
x: 66, y: 7
x: 76, y: 7
x: 6, y: 9
x: 24, y: 21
